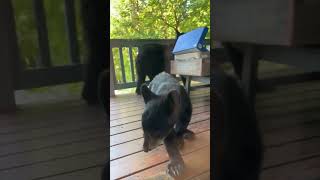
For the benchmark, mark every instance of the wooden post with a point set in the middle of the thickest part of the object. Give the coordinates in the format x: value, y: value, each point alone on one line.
x: 188, y: 84
x: 250, y: 71
x: 112, y: 74
x: 8, y: 56
x: 95, y: 26
x: 235, y: 56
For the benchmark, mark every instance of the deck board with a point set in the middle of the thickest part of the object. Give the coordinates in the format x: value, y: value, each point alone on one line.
x: 306, y: 169
x: 133, y: 146
x: 53, y: 140
x: 196, y: 110
x: 93, y: 173
x: 127, y: 158
x: 57, y: 166
x: 137, y: 124
x: 198, y: 163
x: 66, y: 140
x: 289, y: 119
x: 144, y: 161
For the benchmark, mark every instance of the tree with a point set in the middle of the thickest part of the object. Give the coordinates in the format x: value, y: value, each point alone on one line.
x: 153, y: 19
x: 157, y: 18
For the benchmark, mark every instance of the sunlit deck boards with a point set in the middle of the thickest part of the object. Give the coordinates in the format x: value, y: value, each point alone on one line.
x: 57, y: 141
x: 128, y: 161
x: 289, y: 117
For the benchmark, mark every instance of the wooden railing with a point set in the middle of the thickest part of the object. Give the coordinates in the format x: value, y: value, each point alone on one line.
x: 17, y: 75
x: 45, y: 74
x: 120, y: 44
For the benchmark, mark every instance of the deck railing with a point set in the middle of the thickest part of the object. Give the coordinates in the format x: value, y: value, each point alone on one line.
x: 44, y: 73
x: 130, y: 48
x: 118, y: 47
x: 18, y: 76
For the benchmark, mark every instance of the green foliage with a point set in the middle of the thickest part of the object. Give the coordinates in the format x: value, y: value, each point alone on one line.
x: 126, y: 62
x: 57, y: 35
x: 157, y: 19
x: 154, y: 19
x: 26, y: 32
x: 133, y: 19
x: 58, y: 44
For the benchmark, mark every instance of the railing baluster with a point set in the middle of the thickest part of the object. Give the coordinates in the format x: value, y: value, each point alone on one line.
x: 122, y: 65
x: 71, y: 31
x: 131, y: 65
x: 139, y: 49
x: 41, y: 23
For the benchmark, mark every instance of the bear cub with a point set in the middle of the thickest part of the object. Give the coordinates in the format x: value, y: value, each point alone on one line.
x: 166, y: 117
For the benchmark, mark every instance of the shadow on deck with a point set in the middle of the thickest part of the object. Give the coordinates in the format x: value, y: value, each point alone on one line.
x: 56, y: 141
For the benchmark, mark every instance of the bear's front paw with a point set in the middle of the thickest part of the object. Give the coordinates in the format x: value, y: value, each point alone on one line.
x: 175, y: 168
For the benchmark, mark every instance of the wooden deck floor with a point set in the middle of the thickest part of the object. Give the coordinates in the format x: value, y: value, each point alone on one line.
x: 58, y: 141
x: 128, y: 161
x: 289, y: 117
x: 66, y: 140
x: 290, y: 121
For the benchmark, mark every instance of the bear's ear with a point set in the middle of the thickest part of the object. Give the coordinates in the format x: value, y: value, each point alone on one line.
x: 146, y: 93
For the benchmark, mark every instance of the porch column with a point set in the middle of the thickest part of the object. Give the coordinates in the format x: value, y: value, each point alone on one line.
x: 112, y: 74
x: 8, y: 56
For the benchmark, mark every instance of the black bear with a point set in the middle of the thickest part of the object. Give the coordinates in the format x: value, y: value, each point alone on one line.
x: 166, y: 117
x: 151, y: 61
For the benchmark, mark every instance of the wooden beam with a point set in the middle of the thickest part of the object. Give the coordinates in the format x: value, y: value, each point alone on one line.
x: 35, y: 78
x: 8, y: 54
x: 140, y: 42
x: 306, y: 58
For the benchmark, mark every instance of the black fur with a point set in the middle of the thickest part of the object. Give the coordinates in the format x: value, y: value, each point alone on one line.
x: 151, y: 61
x: 166, y: 117
x: 103, y: 90
x: 237, y: 143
